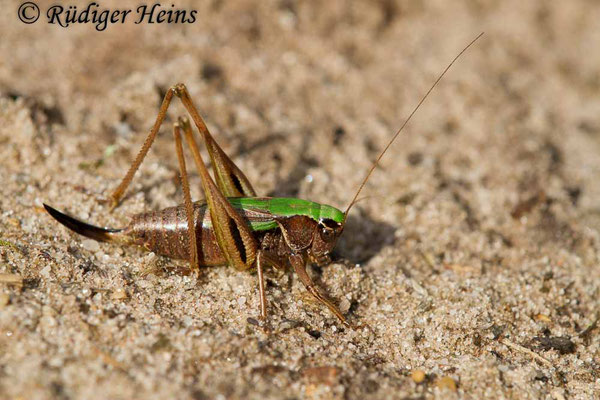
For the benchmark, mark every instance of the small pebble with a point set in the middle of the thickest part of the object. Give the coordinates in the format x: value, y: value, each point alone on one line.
x: 90, y: 245
x: 56, y: 362
x: 323, y: 375
x: 11, y: 279
x: 4, y: 299
x: 418, y: 375
x: 345, y: 305
x: 47, y: 322
x: 542, y: 318
x: 446, y: 383
x: 118, y: 294
x: 45, y: 272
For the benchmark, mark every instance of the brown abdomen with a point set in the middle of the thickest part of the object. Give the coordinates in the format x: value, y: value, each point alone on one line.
x: 165, y: 232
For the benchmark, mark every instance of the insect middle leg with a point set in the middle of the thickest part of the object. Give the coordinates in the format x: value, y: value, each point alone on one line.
x: 261, y: 285
x: 263, y: 259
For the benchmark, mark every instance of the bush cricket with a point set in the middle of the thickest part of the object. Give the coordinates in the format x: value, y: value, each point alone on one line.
x: 232, y: 226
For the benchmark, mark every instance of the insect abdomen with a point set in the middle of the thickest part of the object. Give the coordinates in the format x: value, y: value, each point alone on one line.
x: 165, y: 232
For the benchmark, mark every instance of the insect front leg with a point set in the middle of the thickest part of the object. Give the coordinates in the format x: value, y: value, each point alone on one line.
x: 299, y: 264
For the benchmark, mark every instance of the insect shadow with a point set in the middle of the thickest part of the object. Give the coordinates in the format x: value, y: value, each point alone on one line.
x: 363, y: 236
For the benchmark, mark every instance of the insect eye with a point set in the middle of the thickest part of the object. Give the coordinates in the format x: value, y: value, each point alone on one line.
x: 327, y: 234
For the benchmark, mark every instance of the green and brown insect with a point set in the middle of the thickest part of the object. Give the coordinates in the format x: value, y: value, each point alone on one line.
x: 233, y: 226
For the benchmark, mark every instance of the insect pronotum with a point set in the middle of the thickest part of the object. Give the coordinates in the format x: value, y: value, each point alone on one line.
x: 233, y: 226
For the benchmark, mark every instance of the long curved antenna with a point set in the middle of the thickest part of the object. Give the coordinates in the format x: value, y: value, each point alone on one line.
x: 376, y: 163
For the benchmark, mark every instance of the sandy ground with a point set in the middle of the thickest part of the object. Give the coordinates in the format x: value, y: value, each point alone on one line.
x: 474, y: 257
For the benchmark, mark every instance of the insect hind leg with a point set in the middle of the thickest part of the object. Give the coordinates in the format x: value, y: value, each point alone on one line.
x: 230, y: 179
x: 187, y: 198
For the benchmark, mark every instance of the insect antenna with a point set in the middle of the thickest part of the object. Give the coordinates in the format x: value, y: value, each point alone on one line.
x: 376, y: 163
